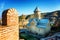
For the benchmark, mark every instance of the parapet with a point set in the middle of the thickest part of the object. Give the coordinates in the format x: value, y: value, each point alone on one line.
x: 10, y: 17
x: 9, y: 30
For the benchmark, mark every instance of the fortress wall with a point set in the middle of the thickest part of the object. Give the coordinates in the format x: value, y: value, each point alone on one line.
x: 9, y: 33
x: 9, y: 30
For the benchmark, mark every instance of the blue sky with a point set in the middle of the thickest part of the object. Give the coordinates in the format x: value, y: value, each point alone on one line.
x: 27, y: 6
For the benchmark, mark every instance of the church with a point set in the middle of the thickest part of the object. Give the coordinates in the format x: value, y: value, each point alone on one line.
x: 38, y: 24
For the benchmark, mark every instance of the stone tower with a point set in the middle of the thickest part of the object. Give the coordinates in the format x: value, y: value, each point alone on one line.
x: 9, y: 29
x: 37, y: 13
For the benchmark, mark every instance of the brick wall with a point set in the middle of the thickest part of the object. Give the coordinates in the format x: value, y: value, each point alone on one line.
x: 9, y: 33
x: 10, y: 17
x: 9, y: 30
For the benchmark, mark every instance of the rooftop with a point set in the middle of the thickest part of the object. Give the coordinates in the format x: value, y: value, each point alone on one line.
x: 37, y: 9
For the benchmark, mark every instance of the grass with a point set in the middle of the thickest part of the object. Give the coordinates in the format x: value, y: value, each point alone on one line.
x: 27, y: 37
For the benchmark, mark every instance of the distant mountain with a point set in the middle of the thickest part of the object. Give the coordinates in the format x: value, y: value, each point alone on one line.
x: 47, y: 14
x: 54, y: 13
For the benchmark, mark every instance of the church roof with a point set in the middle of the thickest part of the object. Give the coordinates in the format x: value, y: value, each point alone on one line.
x: 37, y: 9
x: 39, y: 23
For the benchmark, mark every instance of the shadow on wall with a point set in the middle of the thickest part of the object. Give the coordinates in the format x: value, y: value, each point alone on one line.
x: 4, y: 17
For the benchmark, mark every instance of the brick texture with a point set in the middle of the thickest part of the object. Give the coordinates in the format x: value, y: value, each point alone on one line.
x: 9, y: 30
x: 9, y: 33
x: 10, y: 17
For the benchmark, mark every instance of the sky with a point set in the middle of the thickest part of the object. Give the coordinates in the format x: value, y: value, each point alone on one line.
x: 27, y: 7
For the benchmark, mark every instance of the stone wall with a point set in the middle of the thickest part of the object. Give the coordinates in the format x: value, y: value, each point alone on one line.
x: 10, y: 17
x: 9, y: 33
x: 9, y: 30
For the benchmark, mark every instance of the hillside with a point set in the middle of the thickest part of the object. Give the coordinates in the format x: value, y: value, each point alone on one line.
x: 47, y: 14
